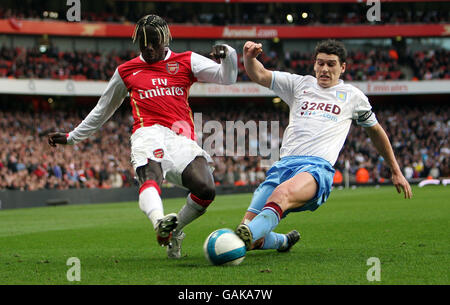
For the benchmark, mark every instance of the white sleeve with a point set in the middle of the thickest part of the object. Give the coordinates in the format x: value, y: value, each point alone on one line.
x: 207, y: 70
x: 363, y: 111
x: 284, y: 85
x: 108, y: 103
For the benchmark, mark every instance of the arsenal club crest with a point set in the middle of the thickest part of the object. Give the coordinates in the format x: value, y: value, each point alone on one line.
x: 172, y: 67
x: 158, y: 153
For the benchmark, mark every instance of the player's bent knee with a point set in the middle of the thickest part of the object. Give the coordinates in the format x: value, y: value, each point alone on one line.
x: 280, y: 195
x: 205, y: 191
x: 201, y: 202
x: 285, y: 198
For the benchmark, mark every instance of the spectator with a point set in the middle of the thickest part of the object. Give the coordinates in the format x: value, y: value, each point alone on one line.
x: 115, y: 179
x: 408, y: 171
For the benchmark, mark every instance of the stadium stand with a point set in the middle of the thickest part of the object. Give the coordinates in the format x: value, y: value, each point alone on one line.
x: 379, y: 64
x: 419, y: 135
x: 202, y: 12
x: 418, y: 131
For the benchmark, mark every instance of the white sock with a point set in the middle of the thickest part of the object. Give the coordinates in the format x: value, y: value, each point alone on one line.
x: 188, y: 213
x: 151, y: 204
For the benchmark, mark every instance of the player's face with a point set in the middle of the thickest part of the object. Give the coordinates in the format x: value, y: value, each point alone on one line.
x: 328, y: 69
x: 154, y: 51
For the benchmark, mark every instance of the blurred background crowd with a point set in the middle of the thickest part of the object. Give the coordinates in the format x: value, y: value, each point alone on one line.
x: 418, y: 131
x: 235, y: 13
x: 378, y: 64
x: 418, y: 134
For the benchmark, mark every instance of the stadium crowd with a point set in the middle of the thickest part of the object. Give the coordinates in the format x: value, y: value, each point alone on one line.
x: 378, y: 64
x: 27, y: 162
x: 78, y: 65
x: 419, y: 137
x: 431, y: 64
x: 244, y: 13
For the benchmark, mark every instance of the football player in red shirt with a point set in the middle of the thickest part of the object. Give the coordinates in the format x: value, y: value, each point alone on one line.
x: 163, y: 142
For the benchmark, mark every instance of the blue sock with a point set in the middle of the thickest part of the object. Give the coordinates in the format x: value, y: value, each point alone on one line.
x: 273, y: 241
x: 263, y: 223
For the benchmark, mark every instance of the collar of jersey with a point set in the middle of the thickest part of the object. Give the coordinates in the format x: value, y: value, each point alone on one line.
x: 169, y: 52
x: 340, y: 82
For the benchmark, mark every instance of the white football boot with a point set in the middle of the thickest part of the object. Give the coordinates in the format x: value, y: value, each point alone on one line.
x: 164, y: 228
x: 174, y: 246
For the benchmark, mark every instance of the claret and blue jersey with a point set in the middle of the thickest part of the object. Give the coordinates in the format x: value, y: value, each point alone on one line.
x: 319, y: 121
x: 320, y: 118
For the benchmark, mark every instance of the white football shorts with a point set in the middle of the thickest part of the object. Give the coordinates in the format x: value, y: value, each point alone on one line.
x: 163, y: 145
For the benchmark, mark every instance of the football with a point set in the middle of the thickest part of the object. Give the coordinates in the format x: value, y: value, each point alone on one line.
x: 224, y: 247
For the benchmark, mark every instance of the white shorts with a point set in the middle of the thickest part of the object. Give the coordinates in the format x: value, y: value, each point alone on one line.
x: 163, y: 145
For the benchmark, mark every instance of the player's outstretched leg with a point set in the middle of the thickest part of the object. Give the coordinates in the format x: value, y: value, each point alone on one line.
x: 279, y: 242
x: 150, y: 178
x: 291, y: 194
x: 198, y: 179
x: 259, y: 199
x: 264, y: 223
x: 276, y: 241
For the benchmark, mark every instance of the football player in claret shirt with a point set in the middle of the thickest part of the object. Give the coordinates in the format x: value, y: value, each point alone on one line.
x: 321, y: 111
x: 163, y: 139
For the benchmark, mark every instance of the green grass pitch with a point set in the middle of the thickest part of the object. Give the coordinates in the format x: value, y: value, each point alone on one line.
x: 116, y: 245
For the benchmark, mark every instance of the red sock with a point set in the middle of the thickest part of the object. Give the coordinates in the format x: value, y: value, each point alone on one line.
x: 275, y: 207
x: 201, y: 202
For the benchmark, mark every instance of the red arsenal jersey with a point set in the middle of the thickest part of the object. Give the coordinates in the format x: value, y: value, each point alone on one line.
x: 159, y: 92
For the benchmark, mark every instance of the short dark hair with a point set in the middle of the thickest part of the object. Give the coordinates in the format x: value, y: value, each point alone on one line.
x: 152, y: 23
x: 333, y: 47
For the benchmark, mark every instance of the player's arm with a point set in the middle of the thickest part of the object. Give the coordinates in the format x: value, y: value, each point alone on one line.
x: 207, y: 70
x: 254, y: 67
x: 381, y: 142
x: 108, y: 103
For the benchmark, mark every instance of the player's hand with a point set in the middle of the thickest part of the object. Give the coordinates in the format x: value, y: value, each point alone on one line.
x: 400, y: 184
x: 57, y: 138
x: 252, y: 49
x: 219, y: 51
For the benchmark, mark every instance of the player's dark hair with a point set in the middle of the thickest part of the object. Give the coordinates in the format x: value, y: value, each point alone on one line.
x: 332, y: 47
x: 149, y: 23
